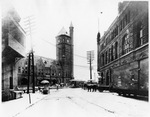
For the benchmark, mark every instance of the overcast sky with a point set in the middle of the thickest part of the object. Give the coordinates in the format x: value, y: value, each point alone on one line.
x: 49, y: 16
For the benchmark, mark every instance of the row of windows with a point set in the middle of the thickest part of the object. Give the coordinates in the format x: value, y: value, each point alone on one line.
x: 118, y: 28
x: 112, y: 53
x: 63, y: 40
x: 41, y: 72
x: 109, y: 55
x: 124, y: 21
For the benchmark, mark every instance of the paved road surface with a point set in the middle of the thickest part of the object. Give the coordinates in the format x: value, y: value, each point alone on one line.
x: 80, y: 103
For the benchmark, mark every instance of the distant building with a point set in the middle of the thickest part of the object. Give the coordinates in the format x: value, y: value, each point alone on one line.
x: 13, y: 46
x: 44, y: 68
x: 64, y: 54
x: 123, y: 49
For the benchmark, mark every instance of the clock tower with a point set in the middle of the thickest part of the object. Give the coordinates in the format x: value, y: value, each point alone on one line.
x: 64, y: 54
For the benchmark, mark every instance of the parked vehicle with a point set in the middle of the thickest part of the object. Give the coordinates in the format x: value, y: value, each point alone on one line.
x: 46, y: 90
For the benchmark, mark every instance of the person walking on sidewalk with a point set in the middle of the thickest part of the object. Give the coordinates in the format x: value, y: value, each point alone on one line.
x: 57, y: 85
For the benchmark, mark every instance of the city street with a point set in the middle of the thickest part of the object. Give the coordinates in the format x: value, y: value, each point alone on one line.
x: 80, y: 103
x: 50, y: 48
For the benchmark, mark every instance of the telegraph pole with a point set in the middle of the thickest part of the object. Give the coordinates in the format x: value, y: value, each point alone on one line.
x: 28, y: 86
x: 29, y: 22
x: 90, y: 69
x: 33, y: 76
x: 90, y: 58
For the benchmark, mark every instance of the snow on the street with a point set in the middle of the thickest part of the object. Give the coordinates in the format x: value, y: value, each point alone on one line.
x: 80, y: 103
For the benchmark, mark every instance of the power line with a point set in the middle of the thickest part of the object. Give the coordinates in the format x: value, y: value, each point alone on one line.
x: 49, y: 42
x: 55, y: 46
x: 75, y: 55
x: 82, y: 66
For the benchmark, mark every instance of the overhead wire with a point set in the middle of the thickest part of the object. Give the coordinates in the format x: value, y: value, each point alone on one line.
x: 74, y: 54
x: 55, y: 46
x: 67, y: 51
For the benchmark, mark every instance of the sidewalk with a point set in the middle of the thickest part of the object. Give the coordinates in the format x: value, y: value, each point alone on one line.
x: 13, y: 107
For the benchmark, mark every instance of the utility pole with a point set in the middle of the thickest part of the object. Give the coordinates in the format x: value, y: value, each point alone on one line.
x: 33, y: 76
x: 90, y: 58
x: 29, y: 22
x: 90, y: 68
x: 28, y: 86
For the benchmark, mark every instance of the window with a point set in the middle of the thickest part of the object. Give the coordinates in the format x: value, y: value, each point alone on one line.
x: 112, y: 53
x: 26, y: 63
x: 102, y: 59
x: 126, y: 20
x: 140, y: 39
x: 19, y: 69
x: 141, y: 35
x: 106, y: 57
x: 109, y: 55
x: 125, y: 44
x: 128, y: 17
x: 116, y: 50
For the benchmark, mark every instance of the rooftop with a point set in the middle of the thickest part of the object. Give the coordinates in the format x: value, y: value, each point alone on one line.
x: 63, y: 32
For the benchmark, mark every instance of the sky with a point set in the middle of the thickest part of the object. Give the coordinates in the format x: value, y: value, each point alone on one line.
x: 49, y: 16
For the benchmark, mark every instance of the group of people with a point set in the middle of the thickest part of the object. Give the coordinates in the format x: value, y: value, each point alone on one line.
x: 91, y: 87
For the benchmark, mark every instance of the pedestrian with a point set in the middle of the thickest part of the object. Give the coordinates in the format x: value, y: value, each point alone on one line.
x: 57, y: 85
x: 89, y: 87
x: 38, y: 89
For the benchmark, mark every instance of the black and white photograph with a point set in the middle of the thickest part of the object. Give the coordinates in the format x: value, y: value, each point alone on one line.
x: 74, y: 58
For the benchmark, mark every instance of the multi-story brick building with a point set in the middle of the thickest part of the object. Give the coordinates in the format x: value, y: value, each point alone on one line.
x: 64, y: 54
x: 123, y: 49
x: 44, y: 68
x: 13, y: 46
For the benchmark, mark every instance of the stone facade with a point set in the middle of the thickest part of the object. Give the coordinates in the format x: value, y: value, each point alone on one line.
x: 64, y: 54
x: 123, y: 49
